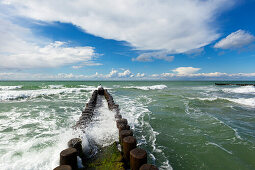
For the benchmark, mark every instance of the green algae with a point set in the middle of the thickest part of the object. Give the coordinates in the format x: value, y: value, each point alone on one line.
x: 109, y: 157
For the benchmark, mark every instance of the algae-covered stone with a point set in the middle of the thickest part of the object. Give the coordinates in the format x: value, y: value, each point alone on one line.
x: 108, y: 158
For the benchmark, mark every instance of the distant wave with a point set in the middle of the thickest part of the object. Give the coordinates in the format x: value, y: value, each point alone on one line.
x: 240, y: 90
x: 10, y: 87
x: 154, y: 87
x: 55, y: 86
x: 23, y: 94
x: 243, y: 101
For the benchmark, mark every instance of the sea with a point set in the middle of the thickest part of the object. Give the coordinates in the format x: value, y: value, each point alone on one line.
x: 181, y: 124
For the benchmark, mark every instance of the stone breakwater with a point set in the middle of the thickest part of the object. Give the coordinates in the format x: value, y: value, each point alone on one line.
x: 128, y: 156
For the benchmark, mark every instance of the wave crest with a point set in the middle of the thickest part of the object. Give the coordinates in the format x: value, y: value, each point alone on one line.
x: 154, y: 87
x: 10, y: 87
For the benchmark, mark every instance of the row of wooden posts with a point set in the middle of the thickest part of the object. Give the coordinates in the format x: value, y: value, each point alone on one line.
x: 135, y: 158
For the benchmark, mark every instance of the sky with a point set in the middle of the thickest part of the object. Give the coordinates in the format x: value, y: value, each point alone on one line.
x: 127, y: 40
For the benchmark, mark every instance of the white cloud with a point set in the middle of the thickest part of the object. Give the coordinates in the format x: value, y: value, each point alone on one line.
x: 126, y: 73
x: 128, y: 76
x: 235, y: 40
x: 116, y: 74
x: 53, y: 55
x: 112, y: 74
x: 140, y: 75
x: 20, y: 49
x: 173, y: 26
x: 185, y: 70
x: 148, y: 57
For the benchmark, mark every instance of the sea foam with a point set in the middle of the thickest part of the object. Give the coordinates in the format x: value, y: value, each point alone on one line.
x: 240, y: 90
x: 154, y: 87
x: 23, y: 94
x: 10, y: 87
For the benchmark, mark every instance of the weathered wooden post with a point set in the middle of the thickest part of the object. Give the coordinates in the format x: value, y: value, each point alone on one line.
x: 63, y: 167
x: 138, y: 157
x: 129, y: 143
x: 77, y: 144
x: 123, y: 127
x: 121, y: 121
x: 125, y: 133
x: 148, y: 167
x: 117, y: 116
x: 69, y: 157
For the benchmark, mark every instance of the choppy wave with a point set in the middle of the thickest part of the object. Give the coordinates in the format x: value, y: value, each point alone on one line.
x: 23, y: 94
x: 55, y: 86
x: 135, y: 111
x: 102, y: 129
x: 154, y: 87
x: 10, y: 87
x: 240, y: 90
x: 243, y: 101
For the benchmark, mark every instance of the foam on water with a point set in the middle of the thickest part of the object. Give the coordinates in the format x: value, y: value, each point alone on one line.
x: 102, y: 130
x: 214, y: 144
x: 35, y: 148
x: 134, y: 111
x: 23, y: 94
x: 154, y: 87
x: 240, y: 90
x: 10, y: 87
x: 55, y: 86
x: 250, y: 102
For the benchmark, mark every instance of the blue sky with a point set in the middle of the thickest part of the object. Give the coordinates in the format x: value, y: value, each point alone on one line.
x: 137, y: 39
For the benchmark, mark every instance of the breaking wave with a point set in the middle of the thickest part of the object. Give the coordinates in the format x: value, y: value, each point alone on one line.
x: 154, y: 87
x: 23, y: 94
x: 10, y: 87
x: 243, y: 101
x: 240, y: 90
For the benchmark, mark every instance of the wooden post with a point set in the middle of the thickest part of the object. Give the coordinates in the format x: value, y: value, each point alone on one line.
x: 138, y: 157
x: 148, y: 167
x: 129, y: 143
x: 118, y: 117
x: 63, y: 167
x: 69, y: 157
x: 121, y: 121
x: 77, y: 144
x: 125, y: 133
x: 123, y: 127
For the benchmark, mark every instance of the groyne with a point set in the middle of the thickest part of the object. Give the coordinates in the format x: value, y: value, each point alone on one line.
x: 121, y: 155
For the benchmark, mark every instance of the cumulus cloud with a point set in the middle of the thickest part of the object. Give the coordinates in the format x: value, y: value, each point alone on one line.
x: 53, y: 55
x: 97, y: 76
x: 20, y: 49
x: 148, y: 57
x: 174, y: 26
x: 116, y: 74
x: 140, y: 75
x: 235, y: 40
x: 186, y: 70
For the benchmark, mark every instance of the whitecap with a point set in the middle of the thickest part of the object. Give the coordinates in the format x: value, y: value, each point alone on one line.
x: 55, y: 86
x: 240, y: 90
x: 10, y: 87
x: 243, y: 101
x: 23, y: 94
x: 154, y: 87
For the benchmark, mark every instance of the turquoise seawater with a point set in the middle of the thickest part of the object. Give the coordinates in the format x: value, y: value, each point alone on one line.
x: 181, y: 124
